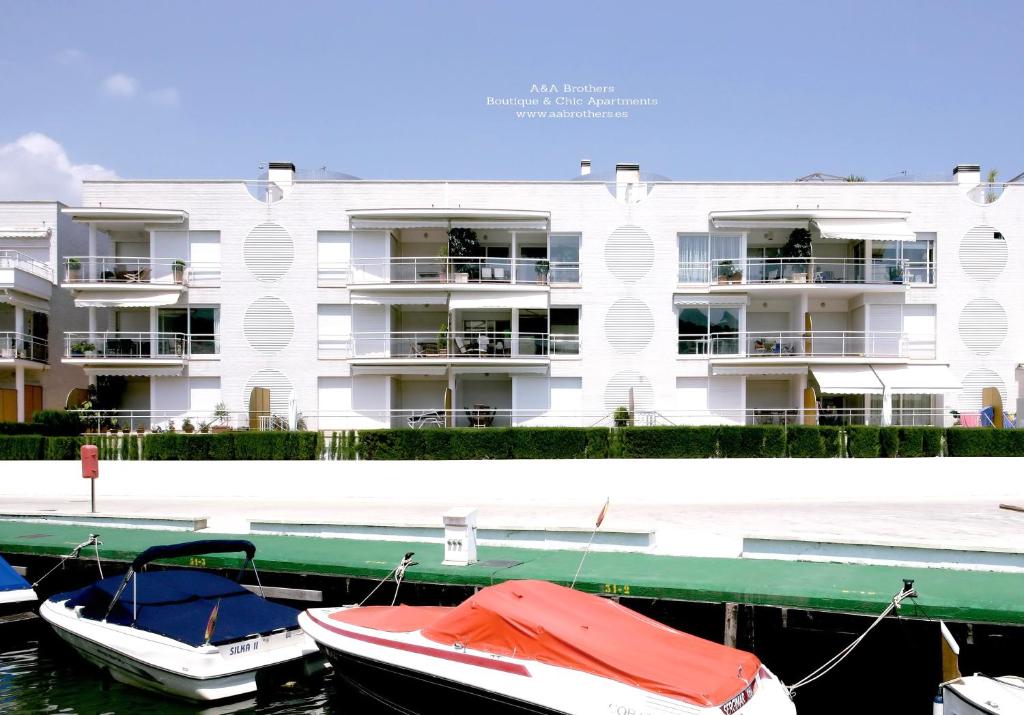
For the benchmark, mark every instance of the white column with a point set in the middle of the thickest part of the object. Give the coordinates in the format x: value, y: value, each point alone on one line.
x: 89, y: 272
x: 802, y: 308
x: 152, y: 402
x: 801, y: 383
x: 513, y: 257
x: 886, y: 406
x: 154, y: 327
x: 19, y: 320
x: 19, y: 387
x: 515, y: 332
x: 92, y: 323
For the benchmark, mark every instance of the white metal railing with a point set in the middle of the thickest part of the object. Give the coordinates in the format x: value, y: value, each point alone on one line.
x: 484, y: 415
x: 446, y: 344
x: 806, y: 270
x: 815, y: 343
x: 22, y: 262
x: 21, y: 346
x: 445, y: 269
x: 124, y: 270
x: 123, y: 345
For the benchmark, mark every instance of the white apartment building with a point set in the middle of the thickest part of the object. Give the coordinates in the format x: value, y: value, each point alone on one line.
x: 33, y: 311
x: 343, y: 300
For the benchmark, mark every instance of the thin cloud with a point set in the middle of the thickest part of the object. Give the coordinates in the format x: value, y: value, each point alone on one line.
x: 36, y: 167
x: 120, y: 85
x: 166, y: 97
x: 69, y: 56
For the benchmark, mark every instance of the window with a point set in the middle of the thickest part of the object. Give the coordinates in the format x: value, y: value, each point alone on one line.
x: 704, y: 329
x: 564, y: 255
x: 896, y: 261
x: 565, y: 331
x: 200, y: 325
x: 700, y: 255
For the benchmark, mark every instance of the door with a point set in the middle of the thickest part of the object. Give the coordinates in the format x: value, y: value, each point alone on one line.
x: 259, y: 405
x: 33, y: 401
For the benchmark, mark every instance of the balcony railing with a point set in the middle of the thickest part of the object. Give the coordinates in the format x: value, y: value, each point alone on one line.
x: 816, y: 343
x: 126, y: 345
x: 476, y: 344
x: 20, y: 346
x: 21, y: 262
x: 117, y: 270
x: 428, y: 270
x: 807, y: 270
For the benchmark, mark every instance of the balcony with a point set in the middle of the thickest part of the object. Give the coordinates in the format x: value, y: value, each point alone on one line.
x: 118, y: 281
x: 799, y: 345
x: 20, y: 347
x: 807, y: 271
x: 460, y: 347
x: 454, y: 272
x: 24, y: 274
x: 134, y: 353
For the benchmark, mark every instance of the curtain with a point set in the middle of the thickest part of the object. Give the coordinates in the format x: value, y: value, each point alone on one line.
x: 693, y: 258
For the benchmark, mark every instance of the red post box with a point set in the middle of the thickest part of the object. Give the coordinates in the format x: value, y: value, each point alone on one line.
x: 90, y: 461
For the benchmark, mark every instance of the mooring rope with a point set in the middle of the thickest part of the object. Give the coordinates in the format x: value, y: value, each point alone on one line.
x: 398, y: 572
x: 906, y: 592
x: 93, y: 541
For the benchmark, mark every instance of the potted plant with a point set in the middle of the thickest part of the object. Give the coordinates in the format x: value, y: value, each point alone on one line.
x: 542, y: 268
x: 896, y: 274
x: 170, y: 426
x: 220, y: 418
x: 462, y: 243
x: 725, y: 271
x: 442, y: 339
x: 74, y: 270
x: 621, y: 416
x: 204, y: 427
x: 178, y: 269
x: 187, y: 427
x: 141, y: 429
x: 798, y: 246
x: 83, y: 348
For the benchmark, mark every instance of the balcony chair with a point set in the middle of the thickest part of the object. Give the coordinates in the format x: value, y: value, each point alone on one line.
x: 422, y: 419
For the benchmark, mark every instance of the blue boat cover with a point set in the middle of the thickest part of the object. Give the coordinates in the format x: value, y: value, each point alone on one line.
x: 10, y: 580
x: 194, y: 548
x: 177, y: 604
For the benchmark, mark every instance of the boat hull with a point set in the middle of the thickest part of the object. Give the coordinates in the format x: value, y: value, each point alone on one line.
x: 190, y: 682
x: 421, y: 692
x: 979, y: 695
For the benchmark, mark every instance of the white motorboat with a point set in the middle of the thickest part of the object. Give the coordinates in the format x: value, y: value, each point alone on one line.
x: 535, y: 647
x: 184, y: 632
x: 16, y: 595
x: 983, y: 695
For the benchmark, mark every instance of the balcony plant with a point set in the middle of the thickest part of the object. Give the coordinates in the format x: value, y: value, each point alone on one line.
x: 74, y: 269
x: 442, y: 339
x: 204, y: 427
x: 463, y: 243
x: 542, y: 268
x: 178, y: 270
x: 83, y: 348
x: 798, y: 246
x: 896, y: 274
x: 187, y: 427
x: 220, y: 418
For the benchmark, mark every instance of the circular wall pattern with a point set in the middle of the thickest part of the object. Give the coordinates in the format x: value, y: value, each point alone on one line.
x: 983, y: 253
x: 983, y: 325
x: 974, y: 383
x: 268, y: 324
x: 629, y: 253
x: 629, y: 325
x: 280, y: 389
x: 616, y: 392
x: 268, y: 252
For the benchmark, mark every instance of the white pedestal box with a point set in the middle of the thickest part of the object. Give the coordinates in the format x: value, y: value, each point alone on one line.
x: 460, y: 536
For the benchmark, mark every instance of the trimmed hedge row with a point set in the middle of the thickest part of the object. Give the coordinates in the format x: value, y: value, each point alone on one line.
x: 533, y: 443
x: 50, y: 423
x: 492, y: 443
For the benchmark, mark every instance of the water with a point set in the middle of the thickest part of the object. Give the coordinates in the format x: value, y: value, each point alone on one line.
x: 41, y: 674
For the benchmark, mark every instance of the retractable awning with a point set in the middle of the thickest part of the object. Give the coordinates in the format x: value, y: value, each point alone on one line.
x: 25, y: 233
x: 847, y: 380
x: 708, y: 299
x: 862, y: 229
x: 759, y: 370
x: 135, y: 371
x: 918, y: 379
x: 99, y: 298
x: 494, y: 219
x: 498, y: 301
x: 23, y: 301
x: 409, y: 298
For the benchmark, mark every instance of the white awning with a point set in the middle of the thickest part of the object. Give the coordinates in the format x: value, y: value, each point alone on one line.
x: 409, y: 298
x: 759, y: 370
x: 490, y: 301
x: 847, y: 380
x: 862, y: 229
x: 424, y: 370
x: 765, y: 223
x: 918, y: 379
x: 25, y: 232
x: 112, y: 215
x: 135, y: 371
x: 23, y: 301
x: 516, y: 368
x: 708, y: 299
x: 508, y: 219
x: 124, y: 299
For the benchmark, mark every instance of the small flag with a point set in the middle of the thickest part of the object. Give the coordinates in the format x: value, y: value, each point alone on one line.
x: 211, y: 623
x: 604, y: 511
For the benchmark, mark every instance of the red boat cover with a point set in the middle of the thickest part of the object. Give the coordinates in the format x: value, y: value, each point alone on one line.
x: 537, y: 620
x: 392, y: 619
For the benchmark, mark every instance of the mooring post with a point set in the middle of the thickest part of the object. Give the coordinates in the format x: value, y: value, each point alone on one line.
x: 732, y: 612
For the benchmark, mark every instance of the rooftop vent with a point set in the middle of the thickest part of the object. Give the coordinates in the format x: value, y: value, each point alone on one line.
x: 967, y: 173
x: 281, y: 173
x: 585, y: 167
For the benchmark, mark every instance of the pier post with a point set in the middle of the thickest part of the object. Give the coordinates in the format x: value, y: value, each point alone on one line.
x: 732, y: 611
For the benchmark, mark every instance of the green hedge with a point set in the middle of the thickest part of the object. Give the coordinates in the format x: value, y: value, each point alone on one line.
x: 862, y: 442
x: 492, y: 443
x: 810, y: 441
x: 22, y: 446
x: 668, y: 442
x: 753, y: 441
x: 984, y: 442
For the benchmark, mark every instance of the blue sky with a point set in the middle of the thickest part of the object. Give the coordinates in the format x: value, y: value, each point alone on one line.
x: 745, y: 90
